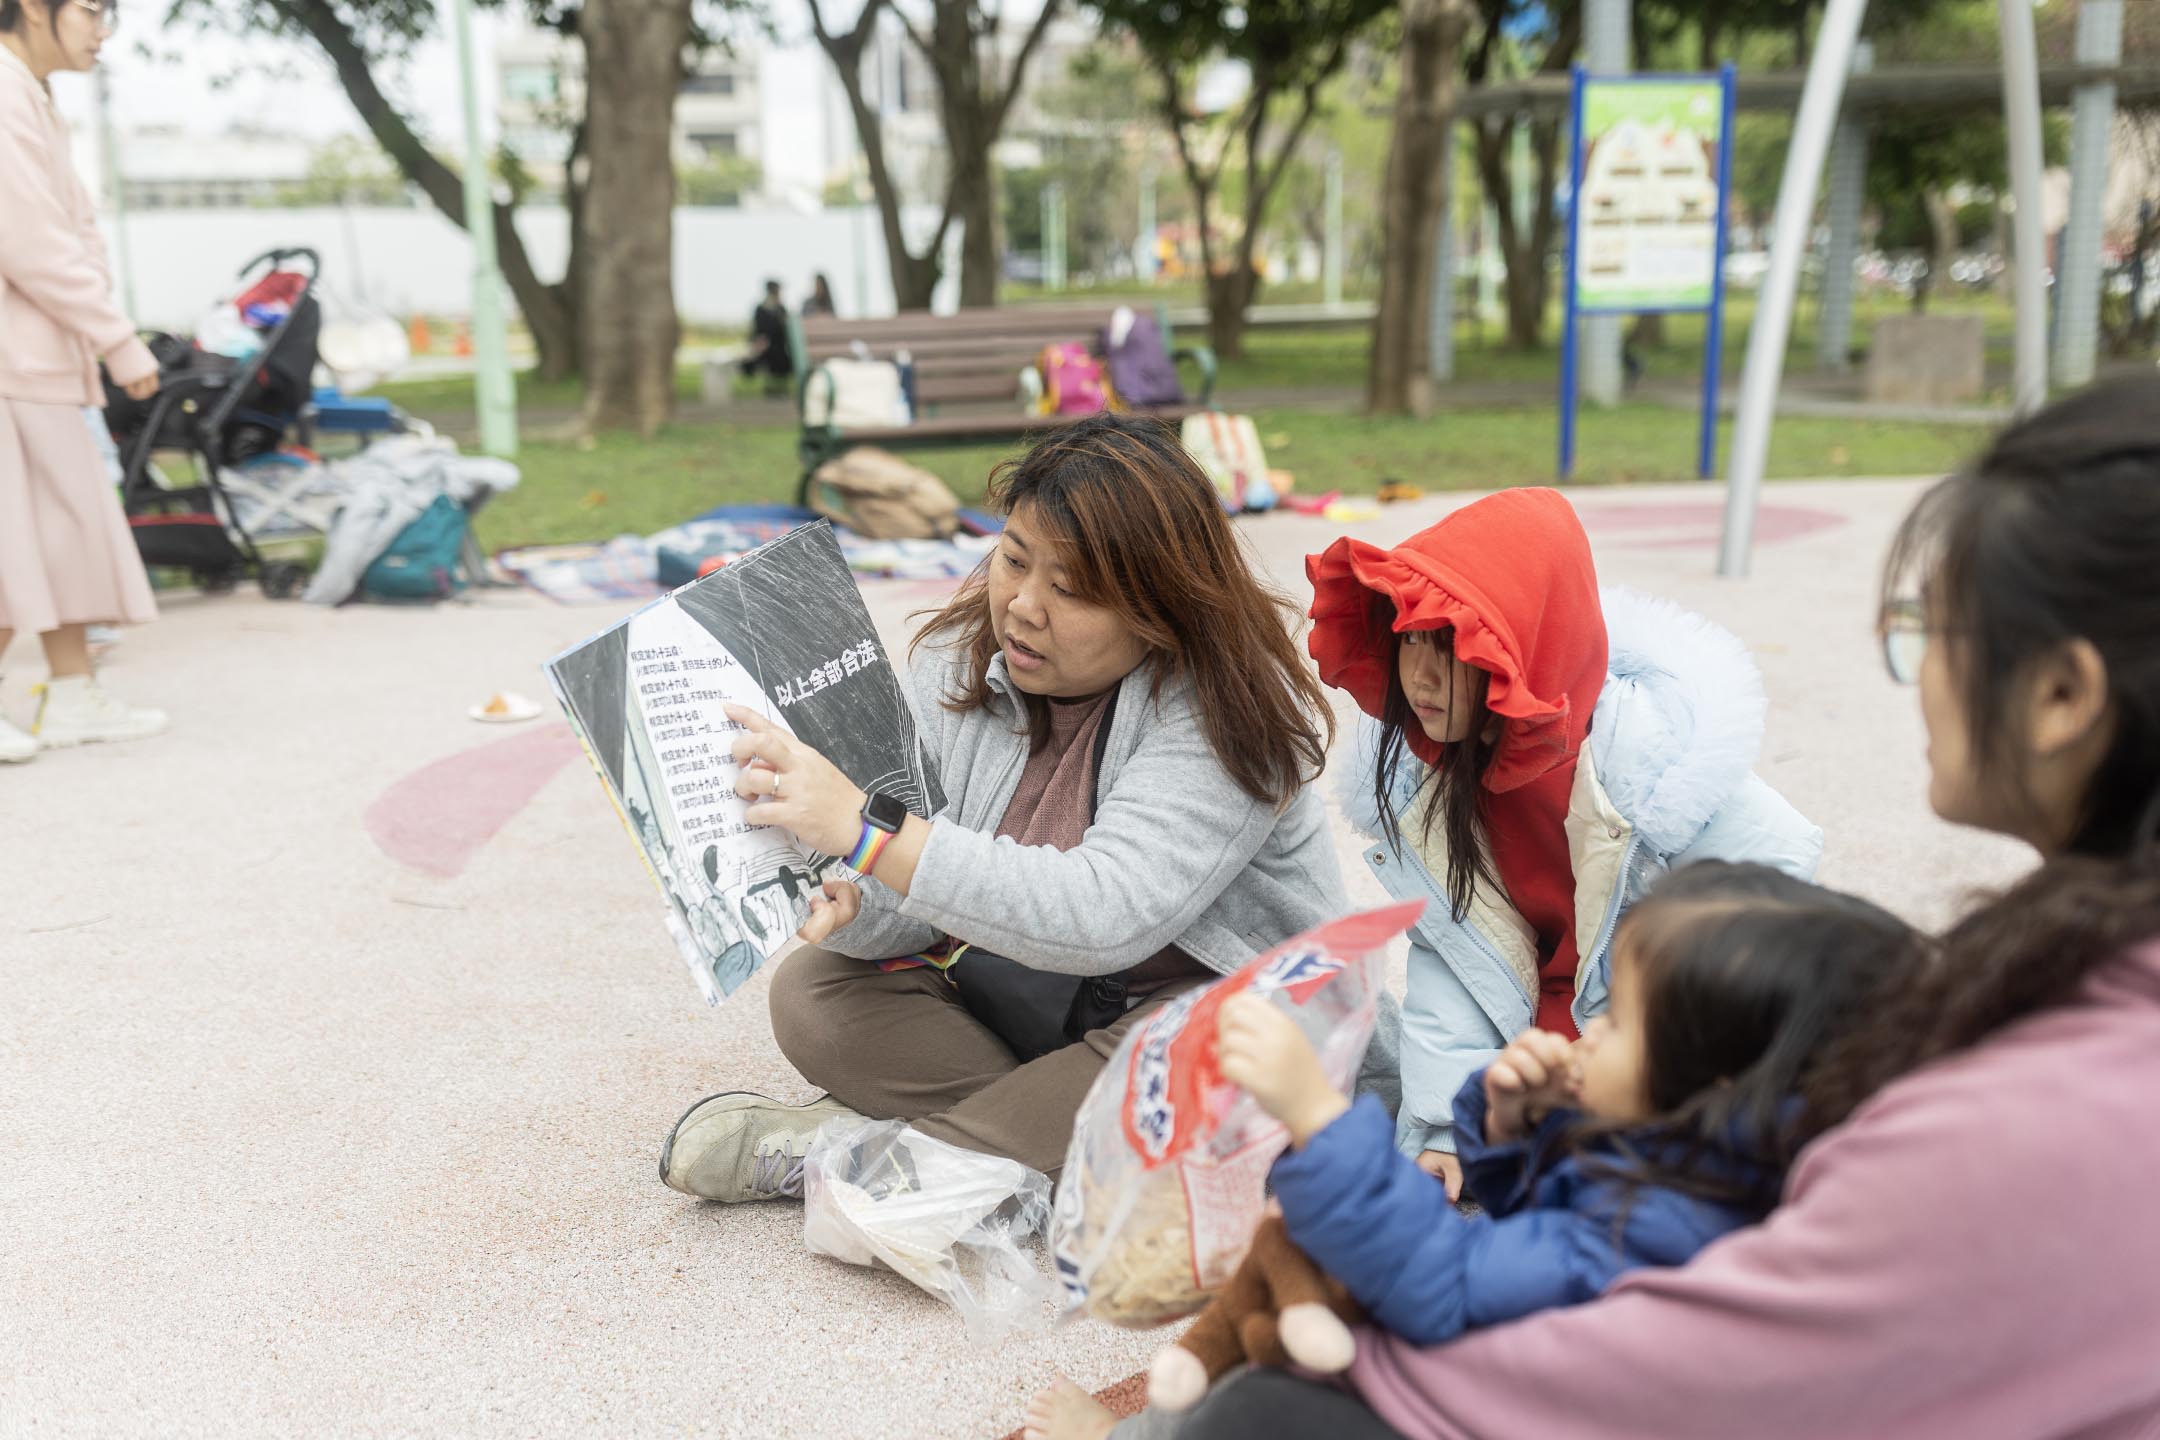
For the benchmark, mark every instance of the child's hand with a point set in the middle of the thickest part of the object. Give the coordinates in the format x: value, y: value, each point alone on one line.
x: 1444, y: 1167
x: 1529, y: 1078
x: 836, y: 909
x: 1263, y: 1052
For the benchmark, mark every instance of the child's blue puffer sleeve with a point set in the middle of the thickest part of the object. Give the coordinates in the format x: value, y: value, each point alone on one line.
x: 1368, y: 1216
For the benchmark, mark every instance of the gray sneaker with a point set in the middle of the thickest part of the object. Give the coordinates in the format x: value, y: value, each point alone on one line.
x: 743, y: 1146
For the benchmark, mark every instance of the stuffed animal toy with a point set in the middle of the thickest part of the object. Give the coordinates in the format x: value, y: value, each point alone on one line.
x: 1277, y: 1308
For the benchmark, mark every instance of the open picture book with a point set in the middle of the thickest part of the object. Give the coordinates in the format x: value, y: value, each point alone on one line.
x: 783, y: 631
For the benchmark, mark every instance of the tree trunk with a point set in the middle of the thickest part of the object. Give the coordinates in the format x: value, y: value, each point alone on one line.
x: 1523, y: 256
x: 549, y: 310
x: 915, y: 279
x: 965, y: 110
x: 633, y: 69
x: 1228, y: 295
x: 1415, y: 207
x: 1942, y: 244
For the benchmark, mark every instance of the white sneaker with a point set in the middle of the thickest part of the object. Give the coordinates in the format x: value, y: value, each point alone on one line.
x: 79, y: 711
x: 15, y: 746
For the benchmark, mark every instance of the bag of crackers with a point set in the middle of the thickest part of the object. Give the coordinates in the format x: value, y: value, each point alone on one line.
x: 1166, y: 1180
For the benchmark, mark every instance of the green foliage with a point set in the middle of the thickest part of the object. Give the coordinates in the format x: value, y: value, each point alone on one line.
x: 348, y: 170
x: 1089, y: 116
x: 718, y: 180
x: 1287, y: 43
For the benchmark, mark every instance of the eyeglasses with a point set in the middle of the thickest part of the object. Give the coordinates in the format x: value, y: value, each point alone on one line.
x: 107, y: 12
x: 1904, y: 640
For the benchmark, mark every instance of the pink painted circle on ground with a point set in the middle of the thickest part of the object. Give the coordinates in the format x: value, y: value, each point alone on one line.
x: 437, y: 818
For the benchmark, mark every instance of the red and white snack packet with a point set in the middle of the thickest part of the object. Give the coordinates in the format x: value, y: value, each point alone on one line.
x: 1166, y: 1178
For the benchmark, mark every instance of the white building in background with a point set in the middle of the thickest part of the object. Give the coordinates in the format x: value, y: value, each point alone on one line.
x: 167, y: 168
x: 540, y: 78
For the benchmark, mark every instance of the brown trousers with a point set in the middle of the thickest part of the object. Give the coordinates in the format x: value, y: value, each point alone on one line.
x: 899, y: 1045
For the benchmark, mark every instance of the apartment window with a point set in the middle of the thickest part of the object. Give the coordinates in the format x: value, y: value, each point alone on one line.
x: 718, y: 83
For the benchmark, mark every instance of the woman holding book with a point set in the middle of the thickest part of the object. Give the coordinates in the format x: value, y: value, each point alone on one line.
x: 1126, y: 736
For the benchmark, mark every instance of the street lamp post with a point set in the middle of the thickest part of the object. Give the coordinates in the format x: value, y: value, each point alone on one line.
x: 494, y: 389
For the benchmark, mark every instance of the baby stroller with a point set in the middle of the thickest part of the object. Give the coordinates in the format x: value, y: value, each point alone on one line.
x: 224, y: 412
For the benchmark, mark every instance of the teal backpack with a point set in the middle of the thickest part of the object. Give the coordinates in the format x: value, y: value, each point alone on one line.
x: 426, y: 561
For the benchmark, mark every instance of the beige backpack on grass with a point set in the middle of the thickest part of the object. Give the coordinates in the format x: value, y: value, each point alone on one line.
x: 879, y: 496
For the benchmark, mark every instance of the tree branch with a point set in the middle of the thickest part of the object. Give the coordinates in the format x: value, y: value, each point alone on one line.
x: 1203, y: 184
x: 845, y: 51
x: 922, y: 41
x: 1028, y: 47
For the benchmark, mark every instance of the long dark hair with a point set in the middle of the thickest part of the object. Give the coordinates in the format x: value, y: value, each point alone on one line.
x: 1748, y: 978
x: 2051, y: 536
x: 1144, y: 536
x: 1454, y: 789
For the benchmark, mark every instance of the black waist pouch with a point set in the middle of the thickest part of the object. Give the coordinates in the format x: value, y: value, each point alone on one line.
x: 1034, y: 1011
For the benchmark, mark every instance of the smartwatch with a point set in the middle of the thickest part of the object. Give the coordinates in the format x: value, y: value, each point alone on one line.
x: 882, y: 817
x: 884, y: 812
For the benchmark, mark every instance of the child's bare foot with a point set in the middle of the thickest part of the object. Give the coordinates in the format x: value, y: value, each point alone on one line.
x: 1066, y: 1412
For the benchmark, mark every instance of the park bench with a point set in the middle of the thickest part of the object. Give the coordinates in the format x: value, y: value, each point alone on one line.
x: 967, y: 373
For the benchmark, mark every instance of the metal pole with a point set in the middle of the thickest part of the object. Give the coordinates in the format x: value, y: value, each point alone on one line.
x: 1714, y: 319
x: 2021, y: 112
x: 2077, y: 267
x: 1845, y: 197
x: 1053, y: 227
x: 1605, y: 53
x: 1331, y: 253
x: 1144, y: 246
x: 494, y: 388
x: 862, y: 259
x: 1490, y: 269
x: 1440, y: 340
x: 1819, y: 99
x: 114, y: 190
x: 1570, y: 321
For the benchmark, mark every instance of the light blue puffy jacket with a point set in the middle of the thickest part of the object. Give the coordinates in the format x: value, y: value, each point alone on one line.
x: 1665, y: 778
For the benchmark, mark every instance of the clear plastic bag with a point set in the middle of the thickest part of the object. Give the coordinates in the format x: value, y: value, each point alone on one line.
x: 1166, y: 1179
x: 952, y: 1221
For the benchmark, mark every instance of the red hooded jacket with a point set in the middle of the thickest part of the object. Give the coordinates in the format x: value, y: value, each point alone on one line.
x: 1512, y: 576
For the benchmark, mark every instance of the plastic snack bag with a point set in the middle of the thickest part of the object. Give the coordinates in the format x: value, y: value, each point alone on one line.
x: 1167, y: 1175
x: 950, y: 1220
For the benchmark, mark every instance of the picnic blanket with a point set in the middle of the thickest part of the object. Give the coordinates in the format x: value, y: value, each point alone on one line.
x: 639, y: 567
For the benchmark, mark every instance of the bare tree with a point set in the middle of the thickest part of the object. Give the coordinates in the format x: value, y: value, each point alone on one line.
x: 1290, y: 51
x: 961, y: 45
x: 344, y: 36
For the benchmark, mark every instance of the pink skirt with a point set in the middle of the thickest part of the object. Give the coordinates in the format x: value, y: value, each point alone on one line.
x: 66, y: 556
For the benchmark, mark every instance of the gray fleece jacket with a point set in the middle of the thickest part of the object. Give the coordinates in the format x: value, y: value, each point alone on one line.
x: 1177, y: 854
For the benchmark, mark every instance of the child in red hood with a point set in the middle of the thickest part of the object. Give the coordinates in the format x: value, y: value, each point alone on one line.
x: 1535, y: 753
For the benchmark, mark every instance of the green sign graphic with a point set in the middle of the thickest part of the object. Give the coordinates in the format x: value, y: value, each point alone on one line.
x: 1647, y: 209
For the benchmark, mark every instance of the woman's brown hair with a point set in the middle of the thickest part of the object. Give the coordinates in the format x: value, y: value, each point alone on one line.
x: 1143, y: 535
x: 2048, y: 538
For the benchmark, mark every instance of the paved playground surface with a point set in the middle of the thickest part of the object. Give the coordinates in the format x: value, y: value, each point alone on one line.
x: 339, y: 1033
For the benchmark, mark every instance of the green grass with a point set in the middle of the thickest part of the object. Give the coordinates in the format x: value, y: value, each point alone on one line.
x: 620, y: 484
x: 452, y: 395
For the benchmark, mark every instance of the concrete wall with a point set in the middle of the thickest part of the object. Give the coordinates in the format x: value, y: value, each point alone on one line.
x: 415, y: 261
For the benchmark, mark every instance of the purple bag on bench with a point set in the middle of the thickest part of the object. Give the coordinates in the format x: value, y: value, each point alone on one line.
x: 1140, y: 368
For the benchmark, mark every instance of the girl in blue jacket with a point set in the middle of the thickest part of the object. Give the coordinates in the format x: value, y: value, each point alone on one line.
x: 1669, y: 1123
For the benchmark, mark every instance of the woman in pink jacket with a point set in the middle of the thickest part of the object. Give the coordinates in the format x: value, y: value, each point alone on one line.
x: 66, y: 559
x: 1967, y: 1251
